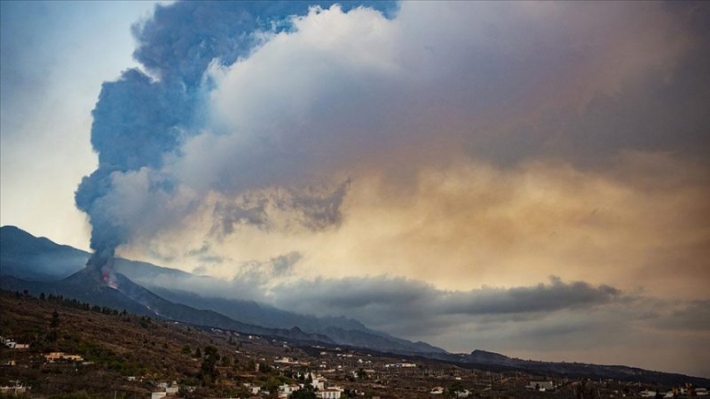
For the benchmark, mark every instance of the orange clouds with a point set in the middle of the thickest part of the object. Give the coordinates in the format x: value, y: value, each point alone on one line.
x: 634, y: 223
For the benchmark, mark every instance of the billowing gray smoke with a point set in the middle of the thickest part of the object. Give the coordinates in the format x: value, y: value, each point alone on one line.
x: 139, y: 119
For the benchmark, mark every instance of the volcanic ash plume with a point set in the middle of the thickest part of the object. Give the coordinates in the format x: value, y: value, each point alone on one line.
x: 142, y: 119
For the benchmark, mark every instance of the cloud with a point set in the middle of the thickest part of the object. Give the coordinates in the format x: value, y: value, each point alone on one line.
x: 638, y: 222
x: 313, y: 208
x: 557, y: 321
x: 684, y: 316
x: 249, y: 280
x: 389, y: 303
x: 380, y: 93
x: 254, y: 97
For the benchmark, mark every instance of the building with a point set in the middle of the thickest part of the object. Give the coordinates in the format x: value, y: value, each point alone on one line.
x: 330, y: 393
x: 12, y: 344
x: 15, y: 388
x: 437, y: 391
x: 541, y: 386
x: 287, y: 389
x: 57, y: 356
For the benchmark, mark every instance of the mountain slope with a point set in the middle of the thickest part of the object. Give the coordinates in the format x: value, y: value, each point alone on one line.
x: 86, y: 286
x: 27, y: 257
x: 342, y: 330
x: 40, y: 260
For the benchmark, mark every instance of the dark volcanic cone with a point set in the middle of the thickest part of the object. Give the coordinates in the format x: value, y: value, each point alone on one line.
x: 88, y: 285
x: 101, y: 263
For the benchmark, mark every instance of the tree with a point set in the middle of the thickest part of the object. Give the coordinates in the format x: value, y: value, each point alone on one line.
x: 455, y: 388
x: 52, y: 336
x: 264, y: 368
x: 583, y: 390
x: 208, y: 370
x: 361, y: 374
x: 198, y: 353
x: 304, y: 393
x: 251, y: 366
x: 55, y: 320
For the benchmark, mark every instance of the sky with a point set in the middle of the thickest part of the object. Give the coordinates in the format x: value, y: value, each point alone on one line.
x: 522, y: 177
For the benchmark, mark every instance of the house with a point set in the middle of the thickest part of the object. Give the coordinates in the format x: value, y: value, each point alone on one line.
x: 330, y: 393
x: 288, y: 389
x: 318, y: 382
x: 15, y: 388
x: 701, y: 391
x: 57, y: 356
x: 541, y: 386
x: 14, y: 345
x: 648, y: 394
x: 251, y: 388
x: 437, y: 391
x: 158, y: 395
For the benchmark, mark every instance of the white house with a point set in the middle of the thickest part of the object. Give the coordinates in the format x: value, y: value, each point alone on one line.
x: 330, y: 393
x: 253, y: 389
x: 15, y: 388
x: 437, y: 391
x: 288, y: 389
x: 318, y: 382
x: 541, y: 386
x: 158, y: 395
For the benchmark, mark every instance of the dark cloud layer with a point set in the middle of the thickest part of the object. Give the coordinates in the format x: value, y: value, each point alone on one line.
x: 313, y: 208
x: 384, y: 301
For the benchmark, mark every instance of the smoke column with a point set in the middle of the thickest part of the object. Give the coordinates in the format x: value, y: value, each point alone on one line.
x: 144, y: 116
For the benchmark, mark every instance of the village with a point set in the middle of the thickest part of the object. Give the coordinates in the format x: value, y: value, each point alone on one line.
x: 263, y: 367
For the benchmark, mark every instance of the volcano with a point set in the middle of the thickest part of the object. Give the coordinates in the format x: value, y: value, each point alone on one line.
x: 89, y: 285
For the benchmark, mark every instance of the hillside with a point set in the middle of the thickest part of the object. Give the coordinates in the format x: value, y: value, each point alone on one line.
x: 116, y: 345
x: 128, y: 356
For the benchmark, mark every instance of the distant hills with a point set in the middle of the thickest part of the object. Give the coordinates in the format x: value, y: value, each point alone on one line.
x: 496, y: 361
x: 40, y: 265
